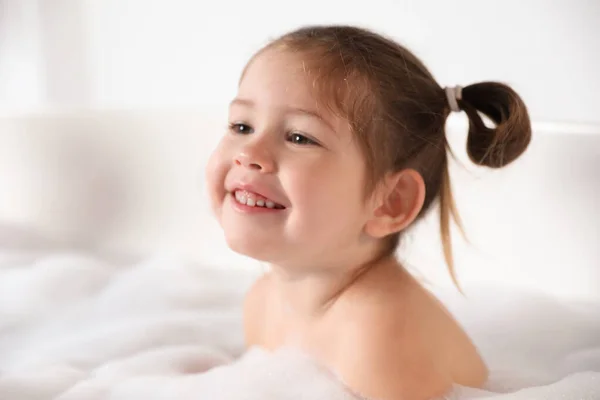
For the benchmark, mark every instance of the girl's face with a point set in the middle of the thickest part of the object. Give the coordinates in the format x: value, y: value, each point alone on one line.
x: 287, y: 180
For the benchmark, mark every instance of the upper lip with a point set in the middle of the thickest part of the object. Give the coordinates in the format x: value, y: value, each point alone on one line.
x: 259, y: 189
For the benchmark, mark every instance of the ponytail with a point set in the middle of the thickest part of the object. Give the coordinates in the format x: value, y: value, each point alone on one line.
x: 501, y: 145
x: 490, y: 147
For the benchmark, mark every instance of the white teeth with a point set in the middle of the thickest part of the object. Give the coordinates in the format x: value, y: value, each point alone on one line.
x: 240, y: 197
x: 249, y: 200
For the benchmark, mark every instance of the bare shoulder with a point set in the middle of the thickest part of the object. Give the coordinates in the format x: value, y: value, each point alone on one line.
x: 398, y: 342
x: 453, y: 348
x: 254, y: 310
x: 381, y: 356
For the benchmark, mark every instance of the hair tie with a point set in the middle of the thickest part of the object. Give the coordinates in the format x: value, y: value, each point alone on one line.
x: 453, y: 94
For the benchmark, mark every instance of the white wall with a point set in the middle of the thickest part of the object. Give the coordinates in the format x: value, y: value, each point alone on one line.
x: 550, y: 51
x: 141, y: 53
x: 21, y: 65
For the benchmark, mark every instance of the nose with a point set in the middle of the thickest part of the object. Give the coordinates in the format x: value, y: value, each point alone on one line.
x: 256, y: 157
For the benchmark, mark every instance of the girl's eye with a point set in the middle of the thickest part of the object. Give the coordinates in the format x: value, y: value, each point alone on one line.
x: 241, y: 128
x: 297, y: 138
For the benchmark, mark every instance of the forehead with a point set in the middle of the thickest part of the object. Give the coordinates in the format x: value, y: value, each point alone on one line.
x: 278, y: 76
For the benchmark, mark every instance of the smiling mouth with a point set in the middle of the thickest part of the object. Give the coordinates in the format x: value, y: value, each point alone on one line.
x: 252, y: 199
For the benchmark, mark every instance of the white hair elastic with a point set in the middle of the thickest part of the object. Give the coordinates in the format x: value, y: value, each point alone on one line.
x: 454, y: 94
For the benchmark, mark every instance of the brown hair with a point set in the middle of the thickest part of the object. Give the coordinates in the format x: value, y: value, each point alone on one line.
x: 397, y: 111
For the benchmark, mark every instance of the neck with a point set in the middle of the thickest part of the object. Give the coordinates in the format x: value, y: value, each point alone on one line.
x: 311, y: 292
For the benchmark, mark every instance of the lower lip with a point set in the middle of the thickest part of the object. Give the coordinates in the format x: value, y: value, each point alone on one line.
x: 252, y: 210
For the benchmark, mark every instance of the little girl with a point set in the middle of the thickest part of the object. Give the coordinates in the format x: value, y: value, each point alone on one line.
x: 335, y: 146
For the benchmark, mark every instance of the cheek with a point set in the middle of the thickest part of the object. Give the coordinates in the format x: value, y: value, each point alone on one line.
x: 214, y: 174
x: 329, y: 204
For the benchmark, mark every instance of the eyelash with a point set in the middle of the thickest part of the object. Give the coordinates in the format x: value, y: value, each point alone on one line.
x: 233, y: 127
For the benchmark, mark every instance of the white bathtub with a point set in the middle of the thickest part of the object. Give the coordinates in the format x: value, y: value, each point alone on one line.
x: 132, y: 182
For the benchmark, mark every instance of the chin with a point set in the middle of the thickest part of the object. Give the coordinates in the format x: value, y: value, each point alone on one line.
x: 253, y: 247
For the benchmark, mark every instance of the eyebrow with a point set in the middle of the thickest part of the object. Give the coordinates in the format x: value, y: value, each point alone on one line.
x: 291, y: 110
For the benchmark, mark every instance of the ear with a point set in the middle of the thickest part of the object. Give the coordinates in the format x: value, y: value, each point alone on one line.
x: 398, y: 205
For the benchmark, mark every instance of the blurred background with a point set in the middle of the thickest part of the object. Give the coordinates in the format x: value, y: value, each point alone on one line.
x: 109, y: 110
